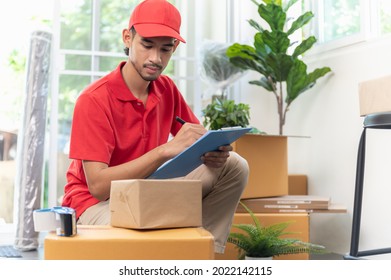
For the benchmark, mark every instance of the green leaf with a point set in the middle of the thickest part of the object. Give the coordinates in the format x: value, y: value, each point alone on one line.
x: 318, y: 73
x: 244, y: 51
x: 281, y: 65
x: 296, y: 81
x: 289, y: 4
x: 299, y: 81
x: 273, y: 15
x: 245, y: 57
x: 277, y: 41
x: 304, y: 46
x: 225, y: 113
x: 247, y: 64
x: 256, y: 25
x: 263, y: 82
x: 277, y: 2
x: 261, y: 48
x: 300, y: 22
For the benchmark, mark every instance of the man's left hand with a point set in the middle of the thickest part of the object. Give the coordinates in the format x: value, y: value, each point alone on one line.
x: 217, y: 159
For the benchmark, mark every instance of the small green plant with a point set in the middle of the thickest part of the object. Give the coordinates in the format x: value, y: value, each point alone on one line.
x: 258, y: 241
x: 226, y: 113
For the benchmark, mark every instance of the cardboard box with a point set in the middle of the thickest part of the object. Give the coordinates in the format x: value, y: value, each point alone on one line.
x: 153, y: 204
x: 299, y: 227
x: 375, y: 96
x: 285, y: 203
x: 109, y: 243
x: 268, y: 161
x: 297, y: 184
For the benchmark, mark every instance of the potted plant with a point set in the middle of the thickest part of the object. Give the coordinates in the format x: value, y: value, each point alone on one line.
x: 257, y: 241
x: 220, y: 73
x: 276, y: 58
x: 224, y: 112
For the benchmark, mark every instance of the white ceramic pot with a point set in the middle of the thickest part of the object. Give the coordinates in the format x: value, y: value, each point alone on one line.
x: 258, y: 258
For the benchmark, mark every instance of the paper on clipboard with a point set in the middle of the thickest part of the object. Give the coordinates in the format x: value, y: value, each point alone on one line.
x: 190, y: 158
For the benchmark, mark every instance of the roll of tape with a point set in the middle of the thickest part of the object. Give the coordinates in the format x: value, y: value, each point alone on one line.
x: 62, y: 220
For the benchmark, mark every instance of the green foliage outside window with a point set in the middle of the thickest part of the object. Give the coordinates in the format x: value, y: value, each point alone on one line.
x: 77, y: 34
x: 342, y: 18
x: 385, y: 16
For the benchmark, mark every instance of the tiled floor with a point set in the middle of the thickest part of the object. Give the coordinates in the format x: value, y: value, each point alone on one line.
x: 31, y: 255
x: 7, y: 237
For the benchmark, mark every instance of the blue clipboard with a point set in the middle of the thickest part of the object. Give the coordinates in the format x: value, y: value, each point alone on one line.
x: 190, y: 158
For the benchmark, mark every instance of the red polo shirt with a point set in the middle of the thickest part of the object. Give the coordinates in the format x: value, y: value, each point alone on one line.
x: 111, y: 125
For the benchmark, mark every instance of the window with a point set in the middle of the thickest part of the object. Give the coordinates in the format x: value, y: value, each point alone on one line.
x: 17, y: 25
x: 344, y: 22
x: 340, y: 18
x: 385, y: 17
x: 336, y: 23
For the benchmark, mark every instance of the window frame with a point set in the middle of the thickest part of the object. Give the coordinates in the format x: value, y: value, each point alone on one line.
x: 370, y: 27
x: 366, y: 8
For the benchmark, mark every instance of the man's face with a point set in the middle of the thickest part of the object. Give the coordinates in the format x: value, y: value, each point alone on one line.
x: 150, y: 56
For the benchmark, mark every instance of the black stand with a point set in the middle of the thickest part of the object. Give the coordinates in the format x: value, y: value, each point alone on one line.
x: 376, y: 121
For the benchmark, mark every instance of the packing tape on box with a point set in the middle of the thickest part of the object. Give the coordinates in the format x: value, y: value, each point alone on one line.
x: 62, y: 220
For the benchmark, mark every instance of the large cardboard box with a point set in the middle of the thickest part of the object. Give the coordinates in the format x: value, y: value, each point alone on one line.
x: 299, y: 226
x: 297, y: 184
x: 109, y: 243
x: 153, y: 204
x: 267, y: 157
x: 375, y: 96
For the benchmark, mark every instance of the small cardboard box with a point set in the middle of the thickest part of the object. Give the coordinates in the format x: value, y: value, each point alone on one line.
x: 297, y: 184
x: 154, y: 204
x: 375, y: 96
x: 299, y: 227
x: 267, y: 157
x: 110, y: 243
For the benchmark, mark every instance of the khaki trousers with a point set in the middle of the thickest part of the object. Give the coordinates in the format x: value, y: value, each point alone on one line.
x: 221, y: 192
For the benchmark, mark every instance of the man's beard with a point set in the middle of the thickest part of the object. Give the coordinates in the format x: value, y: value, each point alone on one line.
x: 148, y: 78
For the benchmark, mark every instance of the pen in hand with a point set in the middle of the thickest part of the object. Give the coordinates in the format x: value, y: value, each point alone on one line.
x: 178, y: 119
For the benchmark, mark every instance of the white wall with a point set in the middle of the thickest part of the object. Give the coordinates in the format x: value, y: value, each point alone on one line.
x: 329, y: 115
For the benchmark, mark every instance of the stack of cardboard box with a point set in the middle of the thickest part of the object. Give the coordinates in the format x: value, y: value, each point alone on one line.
x: 268, y: 161
x: 140, y: 229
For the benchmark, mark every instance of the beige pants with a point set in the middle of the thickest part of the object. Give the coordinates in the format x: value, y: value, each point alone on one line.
x: 221, y: 191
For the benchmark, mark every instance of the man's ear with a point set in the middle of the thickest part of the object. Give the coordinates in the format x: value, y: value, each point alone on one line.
x: 127, y: 37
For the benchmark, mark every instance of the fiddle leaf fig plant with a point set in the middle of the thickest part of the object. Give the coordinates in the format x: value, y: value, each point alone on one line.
x: 276, y: 57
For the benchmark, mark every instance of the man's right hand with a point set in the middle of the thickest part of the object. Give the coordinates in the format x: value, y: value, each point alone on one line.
x: 186, y: 136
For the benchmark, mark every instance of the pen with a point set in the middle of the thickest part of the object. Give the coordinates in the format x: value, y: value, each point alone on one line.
x: 178, y: 119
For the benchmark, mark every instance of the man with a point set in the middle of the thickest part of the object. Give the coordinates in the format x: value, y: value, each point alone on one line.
x: 123, y: 121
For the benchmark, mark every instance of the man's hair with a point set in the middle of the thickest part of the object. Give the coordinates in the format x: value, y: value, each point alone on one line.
x: 133, y: 30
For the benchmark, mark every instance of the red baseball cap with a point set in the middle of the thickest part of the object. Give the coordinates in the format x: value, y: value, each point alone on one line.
x: 156, y: 18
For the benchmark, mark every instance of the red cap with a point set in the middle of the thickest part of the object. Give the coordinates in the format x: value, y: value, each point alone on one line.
x: 156, y: 18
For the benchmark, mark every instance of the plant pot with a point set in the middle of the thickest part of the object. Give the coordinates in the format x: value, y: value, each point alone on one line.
x: 258, y: 258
